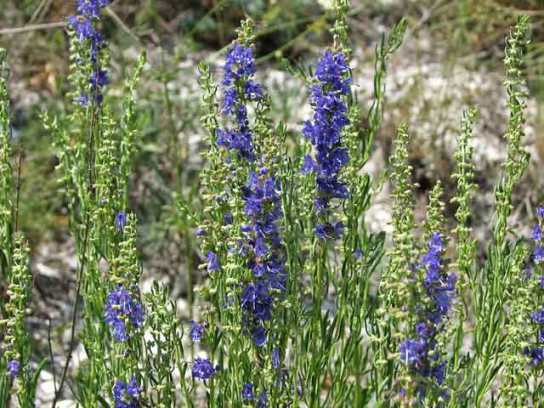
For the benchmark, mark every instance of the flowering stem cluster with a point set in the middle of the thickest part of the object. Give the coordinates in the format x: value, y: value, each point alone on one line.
x: 421, y: 353
x: 297, y: 304
x: 16, y: 350
x: 91, y: 43
x: 16, y: 373
x: 250, y: 207
x: 324, y: 132
x: 239, y: 88
x: 263, y: 208
x: 96, y: 153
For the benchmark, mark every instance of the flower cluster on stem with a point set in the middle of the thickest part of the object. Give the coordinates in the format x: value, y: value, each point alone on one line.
x: 123, y: 313
x: 15, y: 332
x: 203, y: 369
x: 263, y: 208
x: 240, y: 87
x: 420, y: 352
x: 86, y: 33
x: 324, y: 131
x: 126, y: 395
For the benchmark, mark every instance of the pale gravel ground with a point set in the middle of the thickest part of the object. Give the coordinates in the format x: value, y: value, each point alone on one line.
x: 428, y: 95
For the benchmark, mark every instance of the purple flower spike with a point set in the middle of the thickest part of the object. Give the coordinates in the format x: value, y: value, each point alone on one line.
x: 240, y: 87
x: 420, y: 353
x: 203, y: 369
x: 13, y: 368
x: 86, y: 33
x: 324, y: 132
x: 122, y: 312
x: 197, y: 331
x: 247, y: 392
x: 259, y: 336
x: 213, y: 262
x: 537, y: 233
x: 126, y: 395
x: 120, y: 221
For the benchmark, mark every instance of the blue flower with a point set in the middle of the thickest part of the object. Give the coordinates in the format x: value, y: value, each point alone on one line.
x: 196, y: 331
x: 536, y: 351
x: 213, y: 262
x: 91, y: 8
x: 87, y: 34
x: 83, y: 27
x: 237, y: 140
x: 121, y: 310
x: 253, y: 90
x: 308, y: 165
x: 420, y: 353
x: 120, y: 221
x: 13, y: 368
x: 249, y: 296
x: 266, y: 257
x: 228, y: 218
x: 537, y: 233
x: 247, y: 392
x: 82, y: 100
x: 85, y: 31
x: 239, y: 64
x: 538, y: 317
x: 329, y: 231
x: 438, y: 372
x: 536, y: 354
x: 538, y: 254
x: 358, y: 253
x: 230, y: 99
x: 126, y: 395
x: 412, y: 352
x: 99, y: 79
x: 333, y: 70
x: 324, y: 132
x: 259, y: 336
x: 240, y: 87
x: 203, y: 369
x: 133, y: 389
x: 259, y: 247
x: 256, y: 299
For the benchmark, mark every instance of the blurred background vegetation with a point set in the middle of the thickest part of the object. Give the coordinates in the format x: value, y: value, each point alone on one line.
x: 177, y: 34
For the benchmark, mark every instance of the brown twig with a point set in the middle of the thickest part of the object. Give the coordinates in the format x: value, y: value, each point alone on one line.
x: 122, y: 24
x: 32, y: 27
x: 40, y: 11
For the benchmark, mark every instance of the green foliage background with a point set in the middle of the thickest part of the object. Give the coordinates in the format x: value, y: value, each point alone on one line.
x: 181, y: 32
